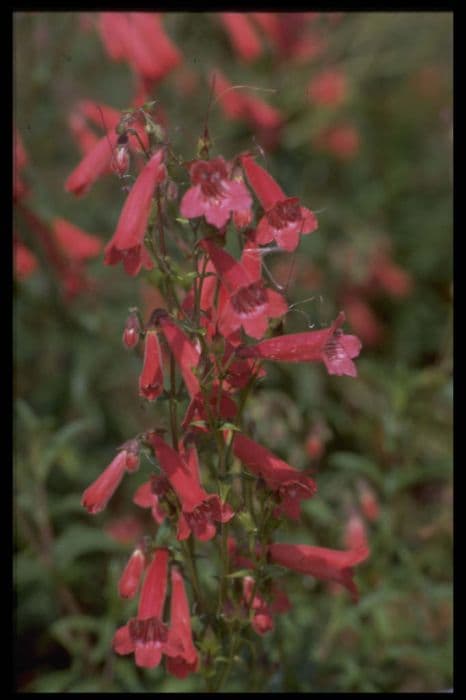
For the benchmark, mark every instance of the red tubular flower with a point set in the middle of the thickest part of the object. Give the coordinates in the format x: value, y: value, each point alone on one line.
x: 213, y: 194
x: 362, y: 319
x: 96, y: 111
x: 130, y: 578
x: 150, y: 51
x: 330, y: 346
x: 98, y: 494
x: 84, y: 136
x: 25, y: 262
x: 113, y: 29
x: 146, y: 635
x: 242, y: 34
x: 151, y: 377
x: 243, y: 300
x: 186, y: 660
x: 95, y: 163
x: 147, y: 496
x: 132, y: 331
x: 75, y: 243
x: 324, y: 564
x: 199, y: 509
x: 355, y: 535
x: 291, y: 485
x: 328, y: 88
x: 127, y: 242
x: 185, y: 353
x: 285, y: 220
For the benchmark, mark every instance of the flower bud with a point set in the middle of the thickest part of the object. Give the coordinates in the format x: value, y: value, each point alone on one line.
x: 131, y: 331
x: 131, y: 576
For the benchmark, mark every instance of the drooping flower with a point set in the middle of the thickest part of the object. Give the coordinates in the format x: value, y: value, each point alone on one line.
x: 213, y: 194
x: 330, y: 346
x: 75, y: 243
x: 25, y: 262
x: 130, y: 578
x: 291, y: 485
x: 242, y: 34
x: 146, y: 635
x: 325, y: 564
x: 98, y: 494
x: 243, y: 300
x: 151, y: 377
x: 200, y: 510
x: 285, y: 219
x: 127, y: 242
x: 184, y: 351
x: 95, y: 163
x: 186, y: 660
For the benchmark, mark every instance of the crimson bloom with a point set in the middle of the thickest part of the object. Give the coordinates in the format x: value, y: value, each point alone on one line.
x: 184, y: 351
x: 242, y: 34
x: 213, y: 194
x: 199, y: 509
x: 130, y: 578
x: 98, y: 494
x: 291, y: 485
x: 151, y: 377
x: 146, y: 635
x: 127, y: 242
x: 147, y: 496
x: 244, y: 300
x: 285, y: 220
x: 186, y: 660
x: 75, y: 243
x: 330, y: 346
x: 325, y: 564
x: 95, y: 163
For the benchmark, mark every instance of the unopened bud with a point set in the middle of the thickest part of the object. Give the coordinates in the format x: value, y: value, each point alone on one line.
x: 131, y: 576
x: 131, y: 331
x: 120, y: 161
x: 132, y: 455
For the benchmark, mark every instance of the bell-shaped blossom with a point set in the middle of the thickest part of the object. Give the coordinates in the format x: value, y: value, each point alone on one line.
x: 243, y: 300
x: 148, y: 496
x: 95, y: 163
x: 291, y: 485
x: 127, y: 243
x: 242, y: 34
x: 213, y: 193
x: 75, y: 243
x: 200, y: 510
x: 186, y: 660
x: 130, y: 578
x: 325, y: 564
x: 184, y: 351
x: 285, y: 219
x: 98, y: 494
x: 151, y: 377
x: 146, y: 635
x: 330, y: 346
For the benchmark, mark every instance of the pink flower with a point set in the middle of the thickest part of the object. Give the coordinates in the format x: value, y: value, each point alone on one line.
x: 84, y: 136
x: 98, y: 494
x: 132, y: 331
x: 243, y: 300
x: 25, y: 262
x: 185, y: 353
x: 328, y: 88
x: 151, y: 377
x: 148, y: 496
x: 186, y: 660
x: 213, y: 194
x: 242, y: 34
x: 330, y: 346
x: 262, y: 620
x: 127, y: 243
x: 146, y: 635
x: 75, y: 243
x: 291, y: 485
x: 130, y: 578
x: 324, y: 564
x: 355, y: 535
x: 199, y: 509
x: 285, y: 220
x: 95, y: 163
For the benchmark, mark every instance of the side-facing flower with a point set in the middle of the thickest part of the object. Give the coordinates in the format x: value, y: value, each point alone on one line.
x: 130, y: 578
x: 291, y: 485
x: 213, y: 194
x: 285, y: 219
x: 325, y: 564
x: 148, y: 496
x: 244, y: 300
x: 98, y: 494
x: 146, y: 635
x: 95, y: 163
x: 242, y: 34
x: 76, y: 244
x: 184, y: 351
x: 186, y: 659
x: 127, y: 243
x: 151, y: 377
x: 330, y: 346
x: 200, y: 510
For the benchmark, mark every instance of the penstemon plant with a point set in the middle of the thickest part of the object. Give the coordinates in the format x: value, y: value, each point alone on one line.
x: 216, y: 496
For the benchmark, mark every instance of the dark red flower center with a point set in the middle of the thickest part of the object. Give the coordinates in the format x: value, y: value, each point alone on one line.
x: 210, y: 175
x: 249, y: 300
x: 283, y: 213
x: 150, y: 631
x: 333, y: 349
x: 159, y: 485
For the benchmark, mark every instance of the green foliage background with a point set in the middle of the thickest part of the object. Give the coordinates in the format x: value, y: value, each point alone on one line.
x: 76, y: 387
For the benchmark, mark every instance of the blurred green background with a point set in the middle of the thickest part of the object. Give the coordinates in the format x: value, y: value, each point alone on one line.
x: 388, y: 432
